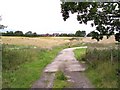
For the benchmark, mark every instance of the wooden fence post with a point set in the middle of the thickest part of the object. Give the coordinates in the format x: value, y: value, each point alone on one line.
x: 111, y: 55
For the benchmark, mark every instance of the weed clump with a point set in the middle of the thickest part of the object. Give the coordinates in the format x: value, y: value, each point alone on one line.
x: 60, y: 80
x: 60, y: 76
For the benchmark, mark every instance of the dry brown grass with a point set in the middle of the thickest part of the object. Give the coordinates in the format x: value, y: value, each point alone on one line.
x: 47, y: 42
x: 103, y: 41
x: 43, y: 42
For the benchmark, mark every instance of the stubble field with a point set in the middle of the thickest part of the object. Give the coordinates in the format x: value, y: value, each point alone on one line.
x: 48, y: 42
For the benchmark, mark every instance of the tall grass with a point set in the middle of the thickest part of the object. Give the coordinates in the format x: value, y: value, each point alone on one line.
x: 13, y: 58
x: 80, y: 54
x: 102, y: 65
x: 22, y: 67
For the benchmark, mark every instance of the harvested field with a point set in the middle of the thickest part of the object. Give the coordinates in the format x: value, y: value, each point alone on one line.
x: 104, y: 41
x: 48, y: 42
x: 39, y: 42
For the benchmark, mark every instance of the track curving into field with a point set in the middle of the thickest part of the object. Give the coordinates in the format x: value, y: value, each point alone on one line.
x: 66, y: 62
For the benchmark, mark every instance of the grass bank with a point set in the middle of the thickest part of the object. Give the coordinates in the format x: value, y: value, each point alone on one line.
x: 23, y: 66
x: 80, y: 54
x: 102, y: 66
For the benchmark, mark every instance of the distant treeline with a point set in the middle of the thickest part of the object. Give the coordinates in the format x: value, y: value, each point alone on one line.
x: 34, y: 34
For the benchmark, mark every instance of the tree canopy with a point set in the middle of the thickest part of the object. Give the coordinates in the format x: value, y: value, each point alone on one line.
x: 18, y: 33
x: 80, y: 33
x: 104, y: 15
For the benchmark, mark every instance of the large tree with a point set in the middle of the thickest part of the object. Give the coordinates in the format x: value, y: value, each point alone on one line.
x: 18, y: 33
x: 104, y: 15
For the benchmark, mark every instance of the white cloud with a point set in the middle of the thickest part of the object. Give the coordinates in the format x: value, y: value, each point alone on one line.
x: 41, y: 16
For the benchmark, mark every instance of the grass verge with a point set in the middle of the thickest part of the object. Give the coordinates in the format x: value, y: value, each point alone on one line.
x: 103, y: 75
x: 101, y: 70
x: 80, y: 54
x: 22, y: 67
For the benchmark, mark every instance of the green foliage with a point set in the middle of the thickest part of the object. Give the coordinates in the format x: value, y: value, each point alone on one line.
x: 66, y: 35
x: 23, y: 66
x: 103, y: 75
x: 105, y: 16
x: 61, y: 76
x: 95, y: 35
x: 100, y: 61
x: 79, y: 54
x: 90, y: 34
x: 13, y: 56
x: 18, y: 33
x: 60, y: 80
x: 8, y: 33
x: 117, y: 37
x: 102, y: 54
x: 30, y: 34
x: 80, y: 33
x: 102, y: 72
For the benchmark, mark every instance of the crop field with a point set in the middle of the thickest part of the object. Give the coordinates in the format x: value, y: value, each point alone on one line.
x: 47, y: 42
x: 43, y: 42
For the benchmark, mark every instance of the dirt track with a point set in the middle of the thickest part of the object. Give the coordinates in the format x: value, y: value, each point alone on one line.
x: 66, y: 62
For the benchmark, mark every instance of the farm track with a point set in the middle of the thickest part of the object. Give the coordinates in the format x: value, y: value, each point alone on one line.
x: 66, y: 62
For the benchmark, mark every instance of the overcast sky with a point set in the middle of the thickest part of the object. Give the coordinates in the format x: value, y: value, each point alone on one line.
x: 41, y: 16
